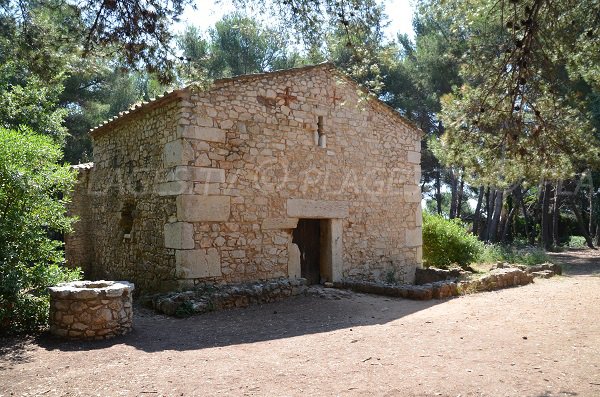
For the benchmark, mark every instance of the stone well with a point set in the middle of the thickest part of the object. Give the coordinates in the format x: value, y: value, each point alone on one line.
x: 91, y: 309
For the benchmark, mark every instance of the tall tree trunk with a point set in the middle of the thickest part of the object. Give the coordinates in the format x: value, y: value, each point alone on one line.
x: 454, y: 193
x: 591, y: 203
x: 502, y: 222
x: 508, y: 224
x: 459, y: 199
x: 507, y: 214
x: 520, y: 202
x: 477, y: 216
x: 493, y: 229
x: 484, y: 233
x: 556, y: 214
x: 546, y: 238
x: 581, y: 224
x: 438, y: 191
x: 540, y: 200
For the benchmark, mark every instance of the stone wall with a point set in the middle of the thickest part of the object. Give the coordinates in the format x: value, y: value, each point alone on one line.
x: 494, y: 280
x: 79, y: 243
x: 218, y: 180
x: 203, y: 299
x: 126, y: 212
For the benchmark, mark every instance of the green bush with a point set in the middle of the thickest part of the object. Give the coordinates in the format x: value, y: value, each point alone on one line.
x: 33, y: 192
x: 525, y: 256
x: 577, y: 242
x: 447, y: 242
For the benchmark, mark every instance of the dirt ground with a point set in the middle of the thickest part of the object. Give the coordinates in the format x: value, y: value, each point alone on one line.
x: 539, y: 340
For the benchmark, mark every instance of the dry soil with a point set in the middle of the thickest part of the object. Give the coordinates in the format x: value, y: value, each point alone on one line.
x: 539, y: 340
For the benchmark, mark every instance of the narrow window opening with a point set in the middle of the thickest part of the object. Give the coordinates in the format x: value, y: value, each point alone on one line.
x: 322, y: 138
x: 126, y: 221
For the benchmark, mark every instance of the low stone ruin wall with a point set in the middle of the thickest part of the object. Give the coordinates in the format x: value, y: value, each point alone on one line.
x: 215, y: 297
x: 496, y: 279
x: 437, y: 290
x: 91, y: 309
x: 543, y: 270
x: 430, y: 275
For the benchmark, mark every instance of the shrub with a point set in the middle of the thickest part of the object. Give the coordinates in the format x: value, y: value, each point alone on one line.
x: 31, y: 208
x: 577, y: 242
x: 446, y: 242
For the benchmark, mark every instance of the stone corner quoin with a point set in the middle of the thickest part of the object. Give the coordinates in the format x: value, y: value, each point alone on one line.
x: 225, y: 185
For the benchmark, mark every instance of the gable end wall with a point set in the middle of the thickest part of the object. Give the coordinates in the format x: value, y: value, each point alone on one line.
x: 254, y: 158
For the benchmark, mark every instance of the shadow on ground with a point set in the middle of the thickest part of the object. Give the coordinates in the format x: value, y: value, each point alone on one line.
x: 294, y: 317
x: 578, y: 262
x: 14, y: 350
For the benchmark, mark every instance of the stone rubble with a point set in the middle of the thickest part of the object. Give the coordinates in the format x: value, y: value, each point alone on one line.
x: 416, y: 292
x: 432, y: 274
x: 497, y: 278
x: 542, y: 274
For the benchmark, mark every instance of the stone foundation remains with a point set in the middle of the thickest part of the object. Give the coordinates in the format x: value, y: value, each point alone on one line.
x: 216, y: 297
x: 91, y: 309
x: 437, y: 284
x: 543, y: 270
x: 496, y: 279
x: 430, y: 275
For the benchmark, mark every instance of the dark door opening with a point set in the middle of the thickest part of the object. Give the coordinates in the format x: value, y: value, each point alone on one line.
x: 307, y: 236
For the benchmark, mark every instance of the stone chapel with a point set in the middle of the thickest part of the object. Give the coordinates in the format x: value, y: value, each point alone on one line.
x: 287, y: 174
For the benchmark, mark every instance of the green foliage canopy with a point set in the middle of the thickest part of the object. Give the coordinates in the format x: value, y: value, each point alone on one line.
x: 237, y: 45
x: 34, y: 59
x: 522, y: 111
x: 33, y: 191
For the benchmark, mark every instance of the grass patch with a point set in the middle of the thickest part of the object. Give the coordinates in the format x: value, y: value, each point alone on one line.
x: 528, y: 256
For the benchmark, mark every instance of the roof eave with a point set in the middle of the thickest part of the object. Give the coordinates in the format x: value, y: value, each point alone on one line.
x: 138, y: 108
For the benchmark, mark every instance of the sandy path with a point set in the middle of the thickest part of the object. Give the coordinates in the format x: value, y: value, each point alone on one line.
x: 538, y: 340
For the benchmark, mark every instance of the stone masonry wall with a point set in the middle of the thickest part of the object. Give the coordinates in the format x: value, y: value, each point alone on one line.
x: 246, y: 164
x: 79, y: 246
x: 127, y: 211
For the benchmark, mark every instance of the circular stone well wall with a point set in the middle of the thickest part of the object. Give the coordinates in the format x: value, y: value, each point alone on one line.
x: 91, y: 309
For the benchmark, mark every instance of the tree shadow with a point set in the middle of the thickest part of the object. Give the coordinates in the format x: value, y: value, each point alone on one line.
x: 578, y: 262
x: 294, y: 317
x: 14, y: 350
